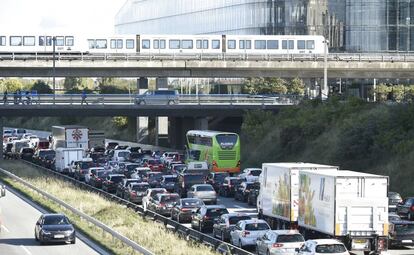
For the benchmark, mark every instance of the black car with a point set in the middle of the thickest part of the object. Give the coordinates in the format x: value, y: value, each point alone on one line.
x: 49, y: 161
x: 226, y: 223
x: 184, y: 208
x: 98, y: 178
x: 26, y: 153
x: 406, y: 208
x: 252, y: 197
x: 228, y: 187
x: 39, y: 155
x: 216, y: 179
x: 163, y: 203
x: 243, y: 190
x: 82, y: 169
x: 168, y: 182
x: 129, y: 169
x: 111, y: 181
x: 394, y: 199
x: 401, y: 233
x: 123, y: 185
x: 154, y: 179
x: 54, y: 228
x: 186, y: 181
x: 204, y: 218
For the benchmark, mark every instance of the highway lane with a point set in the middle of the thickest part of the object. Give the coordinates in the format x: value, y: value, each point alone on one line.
x: 17, y: 233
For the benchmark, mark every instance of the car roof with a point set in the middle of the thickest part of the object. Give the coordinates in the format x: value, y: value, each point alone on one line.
x: 53, y: 214
x: 324, y: 241
x: 214, y: 206
x: 402, y: 222
x: 116, y: 175
x: 202, y: 185
x: 235, y: 214
x: 252, y: 221
x: 285, y: 232
x: 139, y: 184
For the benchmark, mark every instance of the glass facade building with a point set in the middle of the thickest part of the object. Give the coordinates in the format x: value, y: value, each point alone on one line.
x: 349, y: 25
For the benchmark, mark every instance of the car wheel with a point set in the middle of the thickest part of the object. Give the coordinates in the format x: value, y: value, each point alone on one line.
x: 178, y: 218
x: 73, y: 241
x: 268, y: 252
x: 240, y: 244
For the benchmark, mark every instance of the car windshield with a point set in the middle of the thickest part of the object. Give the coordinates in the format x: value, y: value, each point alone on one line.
x: 205, y: 188
x: 252, y: 186
x: 27, y: 150
x: 44, y: 153
x: 131, y: 167
x: 85, y: 165
x: 330, y: 248
x: 393, y: 195
x: 169, y: 179
x: 170, y: 199
x: 404, y: 228
x: 233, y: 220
x: 216, y: 212
x: 179, y: 168
x: 55, y: 220
x: 123, y: 154
x: 221, y: 176
x: 235, y: 181
x: 101, y: 173
x: 290, y: 238
x: 140, y: 187
x: 256, y: 226
x: 191, y: 203
x: 154, y: 162
x: 21, y: 131
x: 116, y: 178
x: 155, y: 176
x: 193, y: 178
x: 255, y: 172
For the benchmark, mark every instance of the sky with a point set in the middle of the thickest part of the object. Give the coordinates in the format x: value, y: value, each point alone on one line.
x: 72, y: 16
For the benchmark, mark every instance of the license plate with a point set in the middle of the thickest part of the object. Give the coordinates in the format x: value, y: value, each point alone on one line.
x: 359, y: 241
x: 59, y: 236
x: 407, y: 241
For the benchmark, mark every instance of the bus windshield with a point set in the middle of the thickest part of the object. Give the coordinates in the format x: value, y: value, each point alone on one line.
x: 226, y: 141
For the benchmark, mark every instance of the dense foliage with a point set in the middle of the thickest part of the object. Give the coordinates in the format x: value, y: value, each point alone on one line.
x: 374, y: 138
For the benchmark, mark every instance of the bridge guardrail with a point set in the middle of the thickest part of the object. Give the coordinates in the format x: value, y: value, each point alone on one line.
x: 84, y: 216
x: 186, y: 232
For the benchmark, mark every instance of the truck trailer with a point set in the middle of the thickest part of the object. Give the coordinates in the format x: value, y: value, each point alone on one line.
x: 345, y: 205
x: 278, y: 198
x: 65, y: 156
x: 71, y: 136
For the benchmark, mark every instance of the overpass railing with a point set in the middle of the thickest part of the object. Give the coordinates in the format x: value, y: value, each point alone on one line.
x: 357, y: 57
x: 129, y: 99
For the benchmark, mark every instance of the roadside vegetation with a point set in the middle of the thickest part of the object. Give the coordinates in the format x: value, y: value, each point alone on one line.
x: 369, y: 137
x: 147, y: 233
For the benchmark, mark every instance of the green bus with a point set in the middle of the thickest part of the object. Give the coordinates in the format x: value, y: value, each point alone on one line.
x: 220, y: 149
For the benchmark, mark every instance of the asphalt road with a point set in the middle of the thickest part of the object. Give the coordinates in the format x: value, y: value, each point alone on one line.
x: 17, y: 232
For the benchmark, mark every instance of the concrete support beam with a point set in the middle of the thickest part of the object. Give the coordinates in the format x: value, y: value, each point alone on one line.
x: 201, y: 124
x: 177, y: 129
x: 142, y: 130
x: 161, y: 83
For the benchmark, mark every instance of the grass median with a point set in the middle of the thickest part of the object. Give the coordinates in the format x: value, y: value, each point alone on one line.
x: 146, y: 233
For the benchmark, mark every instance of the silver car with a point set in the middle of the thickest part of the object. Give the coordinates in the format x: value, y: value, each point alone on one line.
x: 158, y: 97
x: 278, y: 242
x: 204, y: 192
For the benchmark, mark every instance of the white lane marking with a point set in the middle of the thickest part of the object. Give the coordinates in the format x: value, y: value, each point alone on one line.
x: 26, y: 250
x: 4, y: 227
x: 241, y: 207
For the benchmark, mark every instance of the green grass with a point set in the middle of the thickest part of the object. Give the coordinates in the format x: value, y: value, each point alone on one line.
x: 147, y: 233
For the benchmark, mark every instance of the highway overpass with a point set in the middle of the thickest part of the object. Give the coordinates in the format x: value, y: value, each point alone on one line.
x: 198, y: 65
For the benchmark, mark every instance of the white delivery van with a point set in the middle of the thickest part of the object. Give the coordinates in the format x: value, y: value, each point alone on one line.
x: 65, y: 156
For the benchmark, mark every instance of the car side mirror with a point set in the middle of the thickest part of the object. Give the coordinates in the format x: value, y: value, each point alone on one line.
x: 3, y: 191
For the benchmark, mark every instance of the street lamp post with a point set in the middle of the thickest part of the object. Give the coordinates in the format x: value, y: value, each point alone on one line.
x: 54, y: 69
x: 325, y: 69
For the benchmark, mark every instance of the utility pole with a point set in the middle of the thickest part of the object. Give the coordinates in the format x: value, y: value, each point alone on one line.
x: 325, y: 69
x: 54, y: 69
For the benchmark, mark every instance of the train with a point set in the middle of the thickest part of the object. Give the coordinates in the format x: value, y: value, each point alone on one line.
x: 163, y: 44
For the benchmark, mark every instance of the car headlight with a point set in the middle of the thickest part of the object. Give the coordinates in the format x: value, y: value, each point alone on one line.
x: 68, y: 232
x: 45, y: 232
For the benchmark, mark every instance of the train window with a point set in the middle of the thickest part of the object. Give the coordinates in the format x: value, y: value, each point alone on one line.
x: 260, y: 44
x: 248, y: 44
x: 91, y: 43
x: 199, y: 44
x: 101, y: 44
x: 60, y: 41
x: 48, y: 41
x: 129, y: 44
x: 162, y: 44
x: 156, y: 44
x: 146, y: 44
x: 113, y: 44
x: 15, y: 41
x: 119, y: 44
x: 174, y: 44
x: 69, y: 41
x: 231, y: 44
x: 273, y: 44
x: 187, y: 44
x: 205, y: 44
x: 41, y: 41
x: 215, y: 44
x: 29, y: 40
x: 310, y: 44
x: 287, y: 44
x: 301, y: 44
x: 242, y: 44
x: 2, y: 41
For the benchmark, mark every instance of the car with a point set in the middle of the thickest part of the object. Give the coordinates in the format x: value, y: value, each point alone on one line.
x: 169, y: 155
x: 251, y: 174
x: 228, y: 186
x: 401, y: 232
x: 154, y: 164
x: 154, y: 179
x: 120, y: 155
x: 92, y: 171
x: 111, y: 181
x: 243, y: 190
x: 278, y: 242
x: 176, y: 168
x: 322, y: 246
x: 246, y: 232
x: 98, y: 178
x: 122, y: 186
x: 406, y: 208
x: 19, y: 132
x: 163, y: 203
x: 216, y: 179
x: 203, y: 219
x: 157, y: 97
x: 26, y: 153
x: 111, y: 165
x: 135, y: 192
x: 186, y: 181
x: 394, y: 199
x: 184, y: 208
x: 149, y: 195
x: 54, y: 228
x: 168, y: 182
x: 252, y: 197
x: 39, y: 156
x: 226, y: 223
x: 140, y: 172
x: 204, y: 192
x: 82, y: 168
x: 130, y: 168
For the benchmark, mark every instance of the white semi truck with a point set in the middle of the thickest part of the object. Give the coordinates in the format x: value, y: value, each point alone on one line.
x: 70, y: 136
x: 345, y: 205
x: 65, y: 156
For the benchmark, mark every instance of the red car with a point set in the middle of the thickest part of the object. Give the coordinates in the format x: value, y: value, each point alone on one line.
x: 155, y: 165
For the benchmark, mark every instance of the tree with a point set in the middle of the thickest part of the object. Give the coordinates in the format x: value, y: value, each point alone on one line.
x: 11, y: 85
x: 398, y: 92
x: 382, y: 92
x: 265, y: 86
x: 41, y: 87
x: 296, y: 87
x: 72, y: 83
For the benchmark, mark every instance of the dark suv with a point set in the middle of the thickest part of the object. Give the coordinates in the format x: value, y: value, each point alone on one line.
x: 243, y: 190
x: 406, y: 208
x: 205, y: 217
x: 216, y: 179
x: 186, y: 181
x: 111, y: 181
x: 394, y: 199
x: 228, y: 187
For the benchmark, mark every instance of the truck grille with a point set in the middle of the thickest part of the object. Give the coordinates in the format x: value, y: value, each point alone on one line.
x: 227, y: 155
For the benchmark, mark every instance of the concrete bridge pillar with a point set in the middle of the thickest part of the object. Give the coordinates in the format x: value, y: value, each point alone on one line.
x: 1, y: 140
x: 178, y: 127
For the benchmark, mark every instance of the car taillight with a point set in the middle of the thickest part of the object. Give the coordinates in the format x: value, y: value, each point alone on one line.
x: 412, y: 208
x: 206, y: 217
x: 133, y: 194
x: 277, y: 245
x: 185, y: 209
x: 245, y: 233
x: 98, y: 179
x: 238, y: 163
x: 214, y: 163
x: 381, y: 244
x: 162, y: 204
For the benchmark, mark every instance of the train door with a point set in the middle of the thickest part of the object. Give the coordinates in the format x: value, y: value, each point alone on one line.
x: 223, y: 42
x: 159, y: 45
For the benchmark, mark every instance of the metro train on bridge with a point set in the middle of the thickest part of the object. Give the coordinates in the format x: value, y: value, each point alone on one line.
x: 163, y: 44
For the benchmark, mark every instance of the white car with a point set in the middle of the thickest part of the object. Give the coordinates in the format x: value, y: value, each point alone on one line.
x: 246, y: 232
x: 91, y: 171
x: 251, y: 174
x: 150, y: 194
x: 323, y: 246
x: 278, y: 242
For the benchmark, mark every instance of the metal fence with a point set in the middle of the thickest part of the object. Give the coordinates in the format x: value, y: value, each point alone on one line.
x: 170, y: 225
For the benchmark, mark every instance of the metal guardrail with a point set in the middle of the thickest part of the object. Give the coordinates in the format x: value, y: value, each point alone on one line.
x: 129, y: 99
x: 186, y: 232
x: 356, y: 57
x: 84, y: 216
